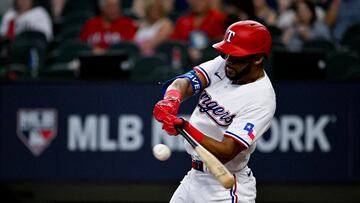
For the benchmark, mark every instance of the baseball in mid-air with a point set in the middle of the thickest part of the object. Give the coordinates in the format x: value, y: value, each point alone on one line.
x: 161, y: 152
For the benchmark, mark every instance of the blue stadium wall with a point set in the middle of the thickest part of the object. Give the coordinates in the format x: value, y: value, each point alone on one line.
x: 105, y: 132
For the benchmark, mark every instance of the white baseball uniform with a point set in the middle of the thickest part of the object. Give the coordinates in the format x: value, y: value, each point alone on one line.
x: 242, y: 112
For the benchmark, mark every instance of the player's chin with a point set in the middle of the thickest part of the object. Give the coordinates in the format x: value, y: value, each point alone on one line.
x: 230, y: 73
x: 231, y: 76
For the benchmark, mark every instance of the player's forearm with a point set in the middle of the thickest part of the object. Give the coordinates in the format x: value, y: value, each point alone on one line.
x: 183, y: 86
x: 225, y: 151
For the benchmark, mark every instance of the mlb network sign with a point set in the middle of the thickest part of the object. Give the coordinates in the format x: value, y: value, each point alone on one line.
x: 37, y: 128
x: 288, y: 132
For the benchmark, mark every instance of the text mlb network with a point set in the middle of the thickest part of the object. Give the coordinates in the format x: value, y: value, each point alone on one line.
x: 287, y: 133
x: 127, y: 132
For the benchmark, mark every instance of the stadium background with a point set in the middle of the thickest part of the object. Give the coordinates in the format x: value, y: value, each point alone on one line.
x: 99, y: 131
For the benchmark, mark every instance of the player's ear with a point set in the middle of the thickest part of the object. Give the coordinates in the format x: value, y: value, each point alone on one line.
x: 258, y: 59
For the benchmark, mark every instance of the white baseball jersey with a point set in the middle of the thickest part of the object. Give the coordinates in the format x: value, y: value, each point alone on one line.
x: 242, y: 112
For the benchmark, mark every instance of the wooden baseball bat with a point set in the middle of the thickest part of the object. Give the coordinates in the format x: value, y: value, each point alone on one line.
x: 216, y: 168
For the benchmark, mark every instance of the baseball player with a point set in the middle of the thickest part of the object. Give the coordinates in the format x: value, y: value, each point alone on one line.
x: 235, y: 108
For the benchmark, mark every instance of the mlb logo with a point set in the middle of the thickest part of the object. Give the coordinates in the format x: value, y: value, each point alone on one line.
x: 36, y: 128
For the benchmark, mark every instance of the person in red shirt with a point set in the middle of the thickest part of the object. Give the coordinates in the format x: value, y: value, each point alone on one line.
x: 199, y: 26
x: 109, y: 28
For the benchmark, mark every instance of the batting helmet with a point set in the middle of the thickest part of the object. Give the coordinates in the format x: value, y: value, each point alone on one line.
x: 245, y: 38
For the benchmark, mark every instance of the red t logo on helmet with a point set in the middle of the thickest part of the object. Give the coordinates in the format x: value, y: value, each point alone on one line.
x: 230, y: 35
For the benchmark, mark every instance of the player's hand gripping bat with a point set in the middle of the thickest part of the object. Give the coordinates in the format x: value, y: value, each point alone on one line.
x: 216, y: 168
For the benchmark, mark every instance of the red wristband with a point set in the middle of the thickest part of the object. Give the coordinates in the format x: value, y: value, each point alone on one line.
x: 195, y: 133
x: 173, y: 94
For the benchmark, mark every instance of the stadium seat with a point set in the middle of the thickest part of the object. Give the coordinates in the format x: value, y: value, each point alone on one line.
x: 69, y: 33
x: 59, y: 71
x: 338, y: 64
x: 59, y: 60
x: 126, y: 46
x: 39, y: 37
x: 21, y: 71
x: 353, y: 73
x: 76, y: 6
x: 71, y: 50
x: 76, y: 19
x: 319, y: 45
x: 351, y: 33
x: 355, y: 44
x: 150, y: 69
x: 175, y: 53
x: 29, y: 49
x: 129, y: 48
x: 208, y: 53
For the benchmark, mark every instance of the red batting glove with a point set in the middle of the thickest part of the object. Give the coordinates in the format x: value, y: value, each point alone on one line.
x: 169, y: 123
x: 167, y: 106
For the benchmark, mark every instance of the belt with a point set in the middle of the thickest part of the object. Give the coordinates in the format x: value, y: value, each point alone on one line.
x: 198, y: 165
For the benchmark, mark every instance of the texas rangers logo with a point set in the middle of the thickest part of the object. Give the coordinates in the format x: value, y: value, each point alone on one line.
x: 249, y: 127
x: 36, y: 128
x: 214, y: 110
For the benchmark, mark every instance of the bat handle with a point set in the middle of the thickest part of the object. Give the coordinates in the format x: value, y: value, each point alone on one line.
x: 190, y: 140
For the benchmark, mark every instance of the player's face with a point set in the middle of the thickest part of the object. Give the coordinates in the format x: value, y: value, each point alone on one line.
x: 237, y: 67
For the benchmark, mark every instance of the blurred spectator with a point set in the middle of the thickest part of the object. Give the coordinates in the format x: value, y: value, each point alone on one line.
x: 55, y: 10
x: 109, y: 28
x: 183, y: 5
x: 25, y: 16
x: 340, y: 15
x: 57, y: 7
x: 155, y: 27
x: 200, y: 25
x: 264, y: 12
x: 306, y: 27
x: 216, y: 5
x: 138, y: 7
x: 286, y: 14
x: 200, y: 18
x: 239, y: 10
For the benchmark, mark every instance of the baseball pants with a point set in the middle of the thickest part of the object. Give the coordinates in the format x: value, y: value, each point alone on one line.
x: 198, y: 187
